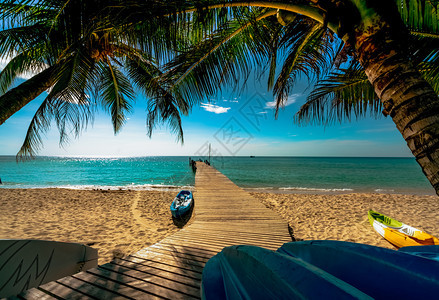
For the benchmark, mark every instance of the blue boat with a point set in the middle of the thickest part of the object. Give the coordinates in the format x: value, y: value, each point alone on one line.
x: 428, y: 251
x: 319, y: 270
x: 182, y: 204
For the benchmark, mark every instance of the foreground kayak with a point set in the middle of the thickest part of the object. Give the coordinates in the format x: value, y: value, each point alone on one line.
x: 250, y: 272
x: 182, y: 204
x: 429, y: 251
x: 398, y: 233
x: 319, y: 270
x: 25, y: 264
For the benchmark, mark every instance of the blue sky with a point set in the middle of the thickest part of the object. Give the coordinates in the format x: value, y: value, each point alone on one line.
x: 233, y: 123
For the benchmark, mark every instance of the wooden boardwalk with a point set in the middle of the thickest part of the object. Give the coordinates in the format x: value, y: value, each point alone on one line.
x: 224, y: 215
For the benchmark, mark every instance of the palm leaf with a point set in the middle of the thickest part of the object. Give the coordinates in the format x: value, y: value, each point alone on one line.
x: 164, y: 109
x: 164, y: 106
x: 66, y: 103
x: 341, y: 95
x: 39, y: 124
x: 225, y: 57
x: 420, y: 16
x: 306, y: 56
x: 116, y: 94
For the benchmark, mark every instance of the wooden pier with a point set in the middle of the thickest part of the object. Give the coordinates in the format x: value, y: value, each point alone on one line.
x: 224, y: 215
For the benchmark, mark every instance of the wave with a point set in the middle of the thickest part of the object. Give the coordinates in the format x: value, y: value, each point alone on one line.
x: 384, y: 190
x: 138, y: 187
x: 316, y: 189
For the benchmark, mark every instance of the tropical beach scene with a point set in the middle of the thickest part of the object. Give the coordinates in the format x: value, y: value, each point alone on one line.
x: 219, y: 149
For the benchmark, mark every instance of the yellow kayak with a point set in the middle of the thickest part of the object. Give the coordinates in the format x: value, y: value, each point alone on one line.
x: 398, y: 233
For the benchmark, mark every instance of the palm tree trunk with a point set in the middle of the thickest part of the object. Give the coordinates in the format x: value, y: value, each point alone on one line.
x: 18, y: 97
x: 406, y: 96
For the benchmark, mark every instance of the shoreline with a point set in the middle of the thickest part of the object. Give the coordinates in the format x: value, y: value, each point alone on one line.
x: 318, y: 191
x: 274, y: 190
x: 121, y: 222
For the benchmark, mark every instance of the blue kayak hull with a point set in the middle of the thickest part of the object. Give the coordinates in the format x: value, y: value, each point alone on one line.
x: 318, y: 270
x: 179, y: 211
x: 428, y: 251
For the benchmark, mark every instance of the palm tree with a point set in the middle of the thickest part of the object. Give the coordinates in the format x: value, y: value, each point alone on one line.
x: 371, y: 32
x: 345, y: 92
x: 83, y: 61
x: 229, y: 36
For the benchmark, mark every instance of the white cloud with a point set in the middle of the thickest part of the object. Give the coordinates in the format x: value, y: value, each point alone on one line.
x: 214, y: 108
x: 291, y: 100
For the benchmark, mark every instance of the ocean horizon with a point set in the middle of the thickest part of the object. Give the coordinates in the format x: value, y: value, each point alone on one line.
x: 261, y: 173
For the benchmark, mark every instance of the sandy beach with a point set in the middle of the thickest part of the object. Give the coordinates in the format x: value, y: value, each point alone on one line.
x: 343, y: 217
x: 117, y: 223
x: 122, y: 222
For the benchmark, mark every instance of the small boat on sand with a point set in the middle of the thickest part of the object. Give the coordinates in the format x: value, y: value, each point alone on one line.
x: 398, y: 233
x: 182, y: 204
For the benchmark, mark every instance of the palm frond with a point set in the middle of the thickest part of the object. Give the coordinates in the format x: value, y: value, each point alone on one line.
x: 420, y: 16
x: 306, y: 56
x: 21, y: 39
x: 339, y: 96
x: 164, y: 105
x: 226, y: 57
x: 40, y: 123
x: 164, y: 109
x: 21, y: 65
x: 116, y: 94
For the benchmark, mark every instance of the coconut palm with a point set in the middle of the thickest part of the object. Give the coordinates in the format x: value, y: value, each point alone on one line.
x: 373, y: 33
x: 228, y: 37
x: 83, y: 61
x: 345, y: 93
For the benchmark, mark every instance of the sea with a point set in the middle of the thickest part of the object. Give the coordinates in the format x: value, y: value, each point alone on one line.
x: 272, y: 174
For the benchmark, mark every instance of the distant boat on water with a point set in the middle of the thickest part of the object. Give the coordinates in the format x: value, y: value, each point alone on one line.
x: 252, y: 156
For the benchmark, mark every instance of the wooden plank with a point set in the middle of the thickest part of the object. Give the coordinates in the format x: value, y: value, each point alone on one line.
x: 35, y: 293
x: 148, y: 284
x: 193, y: 247
x: 229, y: 230
x: 184, y: 250
x: 203, y: 240
x: 220, y: 236
x: 98, y: 288
x: 218, y: 246
x: 183, y: 264
x: 127, y: 286
x: 62, y: 291
x: 186, y: 256
x: 139, y: 272
x: 159, y: 266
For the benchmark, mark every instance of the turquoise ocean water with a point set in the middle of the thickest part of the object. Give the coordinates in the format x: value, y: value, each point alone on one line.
x: 274, y: 174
